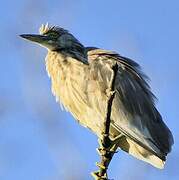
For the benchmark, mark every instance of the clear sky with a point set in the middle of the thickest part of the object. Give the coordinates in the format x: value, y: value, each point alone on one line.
x: 39, y: 141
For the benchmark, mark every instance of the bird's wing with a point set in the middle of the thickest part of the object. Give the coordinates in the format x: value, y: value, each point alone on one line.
x: 134, y: 113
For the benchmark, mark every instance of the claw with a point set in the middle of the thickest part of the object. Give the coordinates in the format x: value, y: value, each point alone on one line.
x: 97, y: 177
x: 100, y: 151
x: 108, y: 153
x: 100, y: 165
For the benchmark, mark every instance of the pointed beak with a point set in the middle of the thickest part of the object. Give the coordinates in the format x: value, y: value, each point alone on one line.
x: 35, y: 38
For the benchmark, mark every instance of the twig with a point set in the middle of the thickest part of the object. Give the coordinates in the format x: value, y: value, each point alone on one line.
x: 106, y: 150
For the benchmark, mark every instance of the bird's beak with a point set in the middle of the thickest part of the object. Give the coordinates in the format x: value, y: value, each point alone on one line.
x: 40, y: 39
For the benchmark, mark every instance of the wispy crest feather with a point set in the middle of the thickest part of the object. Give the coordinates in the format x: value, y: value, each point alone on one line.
x: 44, y: 29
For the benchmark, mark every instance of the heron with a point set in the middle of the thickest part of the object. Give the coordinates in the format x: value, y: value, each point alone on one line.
x: 80, y: 77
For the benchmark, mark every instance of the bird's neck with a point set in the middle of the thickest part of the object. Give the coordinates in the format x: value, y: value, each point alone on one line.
x: 60, y: 65
x: 66, y: 75
x: 75, y: 54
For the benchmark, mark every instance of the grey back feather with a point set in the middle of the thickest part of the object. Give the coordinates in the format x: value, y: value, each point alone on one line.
x: 138, y: 100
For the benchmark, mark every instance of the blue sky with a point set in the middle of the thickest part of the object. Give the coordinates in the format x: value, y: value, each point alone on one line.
x: 39, y: 141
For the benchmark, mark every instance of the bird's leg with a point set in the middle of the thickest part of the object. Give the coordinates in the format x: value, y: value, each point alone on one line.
x: 116, y: 140
x: 111, y: 144
x: 106, y: 154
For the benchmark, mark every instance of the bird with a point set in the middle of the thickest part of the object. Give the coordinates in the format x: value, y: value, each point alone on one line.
x: 80, y: 77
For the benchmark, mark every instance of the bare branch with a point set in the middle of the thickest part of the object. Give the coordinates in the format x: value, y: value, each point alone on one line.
x: 107, y: 149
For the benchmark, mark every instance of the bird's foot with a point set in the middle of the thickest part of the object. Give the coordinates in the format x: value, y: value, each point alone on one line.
x: 98, y: 177
x: 111, y: 149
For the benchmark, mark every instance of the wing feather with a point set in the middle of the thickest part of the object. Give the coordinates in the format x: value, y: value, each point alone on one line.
x: 134, y: 111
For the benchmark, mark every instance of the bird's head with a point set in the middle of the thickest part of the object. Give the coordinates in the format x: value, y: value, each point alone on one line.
x: 54, y: 38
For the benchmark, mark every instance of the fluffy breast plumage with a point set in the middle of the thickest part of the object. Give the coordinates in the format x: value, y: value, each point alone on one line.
x: 73, y: 86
